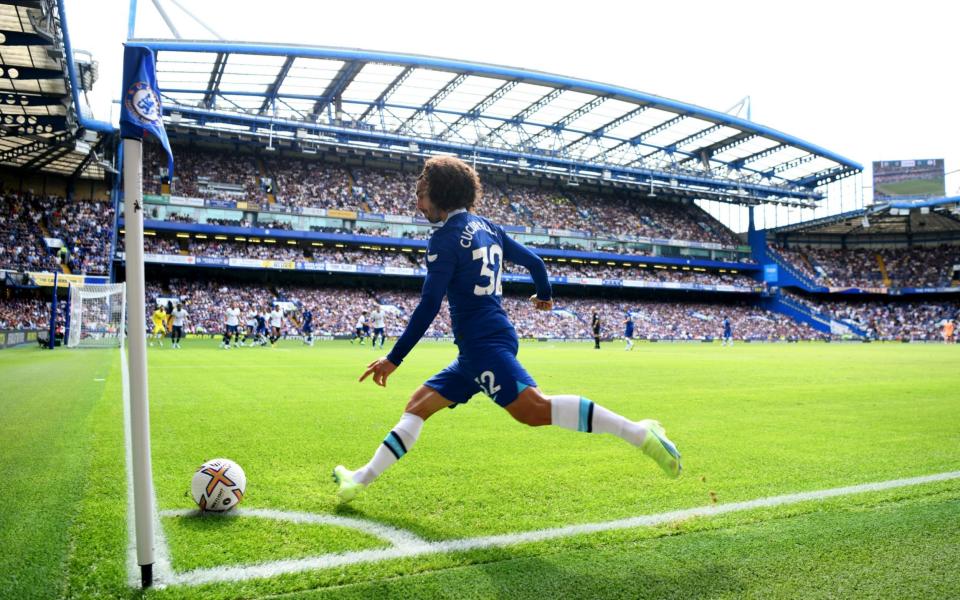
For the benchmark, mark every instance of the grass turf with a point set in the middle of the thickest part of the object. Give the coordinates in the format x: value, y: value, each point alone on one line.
x: 753, y: 420
x: 913, y: 187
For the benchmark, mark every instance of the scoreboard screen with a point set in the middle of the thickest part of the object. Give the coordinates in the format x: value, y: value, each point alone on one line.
x: 908, y: 178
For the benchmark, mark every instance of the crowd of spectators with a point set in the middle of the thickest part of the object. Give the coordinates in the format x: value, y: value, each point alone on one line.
x: 23, y: 313
x: 920, y: 266
x: 337, y: 309
x: 387, y: 192
x: 87, y: 230
x: 631, y: 217
x: 544, y: 208
x: 891, y: 319
x: 662, y: 275
x: 204, y: 174
x: 286, y: 252
x: 178, y: 218
x: 84, y: 227
x: 308, y: 183
x: 21, y: 238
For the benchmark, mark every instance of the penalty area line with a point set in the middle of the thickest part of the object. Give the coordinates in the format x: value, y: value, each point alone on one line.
x: 228, y: 574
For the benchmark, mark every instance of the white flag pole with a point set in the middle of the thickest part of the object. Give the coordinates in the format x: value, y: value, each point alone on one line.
x: 137, y: 353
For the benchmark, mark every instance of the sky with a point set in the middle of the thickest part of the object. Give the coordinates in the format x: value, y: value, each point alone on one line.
x: 867, y: 80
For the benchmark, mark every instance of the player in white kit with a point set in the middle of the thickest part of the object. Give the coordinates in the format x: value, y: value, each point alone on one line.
x: 179, y: 317
x: 230, y: 332
x: 376, y: 315
x: 275, y: 319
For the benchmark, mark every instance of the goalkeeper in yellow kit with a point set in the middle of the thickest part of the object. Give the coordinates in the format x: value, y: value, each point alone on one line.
x: 159, y: 328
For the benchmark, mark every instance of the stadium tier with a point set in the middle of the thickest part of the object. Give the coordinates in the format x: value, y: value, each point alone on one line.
x: 284, y: 185
x: 336, y: 310
x: 50, y: 233
x: 926, y: 267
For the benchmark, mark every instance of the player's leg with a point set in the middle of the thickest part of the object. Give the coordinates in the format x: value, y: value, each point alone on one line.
x: 505, y: 381
x: 577, y: 413
x: 398, y: 442
x: 225, y: 341
x: 445, y: 389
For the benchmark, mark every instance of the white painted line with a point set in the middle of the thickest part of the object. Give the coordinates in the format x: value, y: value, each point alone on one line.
x: 162, y: 569
x: 398, y: 537
x: 419, y: 547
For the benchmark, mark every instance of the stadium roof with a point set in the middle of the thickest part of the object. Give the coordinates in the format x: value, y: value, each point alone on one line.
x: 39, y: 129
x: 936, y: 215
x: 316, y: 96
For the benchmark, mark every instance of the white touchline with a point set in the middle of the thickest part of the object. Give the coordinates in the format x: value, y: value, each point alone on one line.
x: 162, y: 571
x: 406, y: 544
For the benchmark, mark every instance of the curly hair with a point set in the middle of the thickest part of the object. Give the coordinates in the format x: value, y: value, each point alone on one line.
x: 451, y: 183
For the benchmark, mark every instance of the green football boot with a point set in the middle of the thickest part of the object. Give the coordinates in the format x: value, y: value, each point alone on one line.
x: 348, y: 487
x: 659, y: 447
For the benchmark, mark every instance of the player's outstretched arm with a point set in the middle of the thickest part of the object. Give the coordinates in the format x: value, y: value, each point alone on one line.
x: 380, y: 369
x: 434, y: 289
x: 517, y: 253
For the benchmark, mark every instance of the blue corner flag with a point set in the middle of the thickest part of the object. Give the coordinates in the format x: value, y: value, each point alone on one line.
x: 141, y: 110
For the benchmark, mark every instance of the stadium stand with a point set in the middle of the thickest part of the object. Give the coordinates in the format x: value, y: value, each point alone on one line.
x: 302, y: 183
x: 397, y: 258
x: 915, y: 320
x: 885, y: 267
x: 336, y: 310
x: 85, y: 229
x: 23, y: 313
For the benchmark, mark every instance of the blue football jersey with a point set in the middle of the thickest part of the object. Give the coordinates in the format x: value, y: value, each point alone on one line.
x: 472, y: 249
x: 465, y: 260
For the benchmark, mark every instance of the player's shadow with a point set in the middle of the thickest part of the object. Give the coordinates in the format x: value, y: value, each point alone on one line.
x: 590, y: 573
x: 414, y: 526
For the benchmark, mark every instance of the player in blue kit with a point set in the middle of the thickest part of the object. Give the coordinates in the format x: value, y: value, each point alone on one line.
x: 465, y: 263
x: 727, y: 332
x: 628, y: 331
x: 261, y: 327
x: 306, y: 326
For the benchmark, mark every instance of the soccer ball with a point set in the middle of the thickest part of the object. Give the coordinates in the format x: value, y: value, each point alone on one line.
x: 218, y: 485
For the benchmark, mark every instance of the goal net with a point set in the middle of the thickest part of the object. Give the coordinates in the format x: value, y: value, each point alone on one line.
x: 97, y: 315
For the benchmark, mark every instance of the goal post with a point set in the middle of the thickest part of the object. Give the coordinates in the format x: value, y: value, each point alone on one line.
x: 97, y: 316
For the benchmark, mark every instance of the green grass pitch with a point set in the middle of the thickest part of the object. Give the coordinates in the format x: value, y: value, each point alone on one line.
x: 913, y: 187
x: 752, y: 421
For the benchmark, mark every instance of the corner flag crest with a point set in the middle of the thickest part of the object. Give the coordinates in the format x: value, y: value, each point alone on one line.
x: 143, y: 103
x: 142, y: 111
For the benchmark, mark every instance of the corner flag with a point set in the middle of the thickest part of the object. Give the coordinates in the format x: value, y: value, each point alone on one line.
x: 141, y: 111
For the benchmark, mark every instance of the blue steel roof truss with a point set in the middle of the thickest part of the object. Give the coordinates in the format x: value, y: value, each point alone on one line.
x: 385, y: 114
x: 39, y: 123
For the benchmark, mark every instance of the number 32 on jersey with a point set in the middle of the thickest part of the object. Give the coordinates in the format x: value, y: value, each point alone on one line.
x: 491, y: 267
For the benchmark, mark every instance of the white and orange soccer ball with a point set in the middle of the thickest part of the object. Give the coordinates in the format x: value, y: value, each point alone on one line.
x: 218, y: 485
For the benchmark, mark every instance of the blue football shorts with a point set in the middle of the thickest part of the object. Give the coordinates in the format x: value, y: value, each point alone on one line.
x: 491, y: 368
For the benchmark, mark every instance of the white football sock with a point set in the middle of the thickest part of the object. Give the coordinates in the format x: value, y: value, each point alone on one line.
x: 580, y: 414
x: 398, y: 442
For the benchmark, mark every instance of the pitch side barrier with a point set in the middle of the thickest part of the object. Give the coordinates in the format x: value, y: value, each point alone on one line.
x: 17, y: 337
